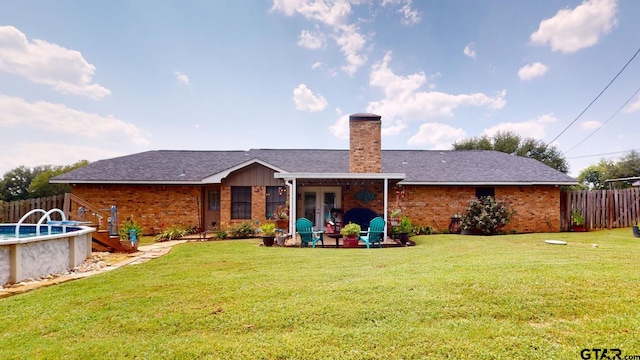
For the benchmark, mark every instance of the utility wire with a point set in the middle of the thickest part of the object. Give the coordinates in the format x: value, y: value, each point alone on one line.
x: 611, y: 153
x: 594, y: 100
x: 605, y: 123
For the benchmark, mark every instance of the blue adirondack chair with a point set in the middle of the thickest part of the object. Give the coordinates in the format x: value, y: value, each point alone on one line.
x: 304, y: 227
x: 375, y: 233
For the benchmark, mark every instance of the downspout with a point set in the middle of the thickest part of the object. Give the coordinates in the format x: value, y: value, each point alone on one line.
x: 292, y: 206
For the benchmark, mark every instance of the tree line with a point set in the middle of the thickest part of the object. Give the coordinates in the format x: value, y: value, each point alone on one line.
x: 23, y: 183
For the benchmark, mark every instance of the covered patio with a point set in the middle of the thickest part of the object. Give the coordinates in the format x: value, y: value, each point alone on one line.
x: 332, y: 198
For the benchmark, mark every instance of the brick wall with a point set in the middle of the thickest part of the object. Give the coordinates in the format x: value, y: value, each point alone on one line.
x: 154, y: 207
x: 158, y: 207
x: 537, y: 207
x: 365, y: 145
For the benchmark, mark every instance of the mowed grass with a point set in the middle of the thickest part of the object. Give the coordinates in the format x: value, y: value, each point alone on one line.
x: 451, y: 296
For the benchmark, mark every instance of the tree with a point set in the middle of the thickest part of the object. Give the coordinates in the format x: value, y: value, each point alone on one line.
x: 40, y: 186
x: 15, y: 183
x: 595, y: 176
x: 511, y: 143
x: 24, y: 183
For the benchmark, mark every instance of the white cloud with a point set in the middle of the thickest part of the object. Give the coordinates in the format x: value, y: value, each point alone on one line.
x: 351, y: 43
x: 335, y: 16
x: 470, y: 50
x: 409, y: 15
x: 316, y: 65
x: 32, y: 154
x: 403, y: 100
x: 341, y: 128
x: 49, y: 64
x: 182, y: 78
x: 590, y: 125
x: 535, y: 128
x: 307, y: 101
x: 633, y: 107
x: 310, y: 40
x: 531, y: 71
x: 58, y: 118
x: 437, y: 136
x: 573, y: 29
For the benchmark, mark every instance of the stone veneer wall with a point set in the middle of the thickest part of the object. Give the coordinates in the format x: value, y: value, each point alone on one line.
x: 365, y: 143
x: 154, y: 207
x: 537, y: 207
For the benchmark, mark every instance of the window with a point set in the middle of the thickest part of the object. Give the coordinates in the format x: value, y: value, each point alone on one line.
x: 485, y: 191
x: 213, y: 199
x: 241, y: 202
x: 276, y: 197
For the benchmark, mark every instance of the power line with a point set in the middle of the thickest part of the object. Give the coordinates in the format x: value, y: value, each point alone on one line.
x: 611, y: 153
x: 605, y: 123
x: 594, y: 100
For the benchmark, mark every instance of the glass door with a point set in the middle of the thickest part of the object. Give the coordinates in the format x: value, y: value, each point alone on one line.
x: 317, y: 204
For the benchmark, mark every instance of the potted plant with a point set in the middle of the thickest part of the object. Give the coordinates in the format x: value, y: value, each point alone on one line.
x: 268, y: 233
x: 395, y: 217
x: 577, y: 221
x: 282, y: 217
x: 351, y: 231
x: 404, y: 229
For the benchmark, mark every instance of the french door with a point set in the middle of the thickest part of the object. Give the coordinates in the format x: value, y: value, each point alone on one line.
x: 317, y: 203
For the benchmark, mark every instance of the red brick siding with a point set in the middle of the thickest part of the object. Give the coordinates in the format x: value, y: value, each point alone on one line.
x: 537, y: 207
x: 365, y: 154
x: 154, y: 207
x: 158, y: 207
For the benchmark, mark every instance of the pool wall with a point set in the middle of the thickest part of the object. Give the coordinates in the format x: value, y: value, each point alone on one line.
x: 36, y: 257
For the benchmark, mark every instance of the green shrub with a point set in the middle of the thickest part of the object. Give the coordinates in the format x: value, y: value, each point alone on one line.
x: 486, y: 216
x: 242, y: 230
x: 128, y: 226
x: 174, y: 232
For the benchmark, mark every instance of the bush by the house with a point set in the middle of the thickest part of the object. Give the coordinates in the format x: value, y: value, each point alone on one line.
x: 174, y: 232
x: 127, y: 226
x: 486, y: 216
x: 242, y: 230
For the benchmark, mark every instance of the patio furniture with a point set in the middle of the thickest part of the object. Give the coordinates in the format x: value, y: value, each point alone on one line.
x: 375, y: 234
x: 304, y: 227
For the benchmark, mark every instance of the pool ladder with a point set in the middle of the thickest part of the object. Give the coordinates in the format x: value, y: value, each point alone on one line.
x: 46, y: 216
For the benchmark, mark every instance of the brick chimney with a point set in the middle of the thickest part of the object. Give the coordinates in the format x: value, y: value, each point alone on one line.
x: 365, y: 149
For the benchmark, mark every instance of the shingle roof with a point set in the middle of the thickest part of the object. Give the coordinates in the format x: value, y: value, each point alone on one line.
x: 420, y: 166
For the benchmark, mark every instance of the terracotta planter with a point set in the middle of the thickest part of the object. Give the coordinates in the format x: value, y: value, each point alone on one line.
x: 268, y: 240
x: 350, y: 242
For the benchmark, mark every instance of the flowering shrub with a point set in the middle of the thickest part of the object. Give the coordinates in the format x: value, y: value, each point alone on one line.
x: 486, y: 215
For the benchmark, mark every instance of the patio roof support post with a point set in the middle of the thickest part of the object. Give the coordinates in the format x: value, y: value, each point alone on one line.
x: 386, y: 205
x: 292, y: 184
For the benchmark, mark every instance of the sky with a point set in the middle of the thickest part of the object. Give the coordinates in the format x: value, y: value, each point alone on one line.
x: 100, y: 79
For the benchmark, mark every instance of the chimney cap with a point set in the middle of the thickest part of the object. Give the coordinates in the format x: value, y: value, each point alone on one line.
x: 364, y: 117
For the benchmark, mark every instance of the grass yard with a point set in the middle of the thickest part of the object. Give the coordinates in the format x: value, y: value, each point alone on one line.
x: 451, y: 296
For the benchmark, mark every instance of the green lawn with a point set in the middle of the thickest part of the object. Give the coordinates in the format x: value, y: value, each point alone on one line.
x: 451, y: 296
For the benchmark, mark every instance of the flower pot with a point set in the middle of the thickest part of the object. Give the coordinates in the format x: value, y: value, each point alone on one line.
x: 268, y: 240
x: 350, y: 242
x: 280, y: 240
x: 636, y: 231
x: 403, y: 237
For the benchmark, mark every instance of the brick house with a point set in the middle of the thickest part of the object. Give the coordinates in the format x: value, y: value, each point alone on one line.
x: 212, y: 188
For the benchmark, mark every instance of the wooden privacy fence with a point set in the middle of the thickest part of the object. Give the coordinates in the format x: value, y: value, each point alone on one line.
x: 602, y: 208
x: 12, y: 211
